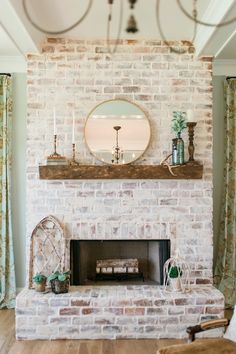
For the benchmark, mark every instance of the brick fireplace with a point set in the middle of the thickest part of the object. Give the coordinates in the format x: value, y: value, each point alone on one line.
x: 75, y: 75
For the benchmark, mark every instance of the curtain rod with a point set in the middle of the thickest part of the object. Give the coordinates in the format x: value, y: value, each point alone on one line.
x: 230, y: 77
x: 5, y: 74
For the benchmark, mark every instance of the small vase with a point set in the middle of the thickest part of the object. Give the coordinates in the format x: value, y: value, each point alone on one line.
x: 40, y: 287
x: 180, y: 150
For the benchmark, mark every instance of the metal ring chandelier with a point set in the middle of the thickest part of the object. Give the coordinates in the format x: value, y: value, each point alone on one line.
x: 41, y: 29
x: 178, y: 50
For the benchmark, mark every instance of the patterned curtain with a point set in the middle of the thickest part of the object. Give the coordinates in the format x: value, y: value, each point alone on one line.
x: 7, y: 269
x: 225, y: 271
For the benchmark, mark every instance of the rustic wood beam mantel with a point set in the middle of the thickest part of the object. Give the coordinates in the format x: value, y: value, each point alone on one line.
x: 189, y: 170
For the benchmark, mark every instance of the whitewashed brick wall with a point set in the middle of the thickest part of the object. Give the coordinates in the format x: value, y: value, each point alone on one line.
x: 76, y: 75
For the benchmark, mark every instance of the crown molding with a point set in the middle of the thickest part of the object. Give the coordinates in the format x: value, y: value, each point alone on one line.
x: 216, y: 11
x: 13, y: 64
x: 15, y: 26
x: 224, y: 67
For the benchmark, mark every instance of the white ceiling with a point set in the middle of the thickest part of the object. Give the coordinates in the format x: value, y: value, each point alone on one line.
x: 18, y: 36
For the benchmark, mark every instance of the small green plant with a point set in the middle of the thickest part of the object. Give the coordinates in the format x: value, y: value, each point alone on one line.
x: 61, y: 276
x: 179, y: 122
x: 175, y: 272
x: 39, y: 278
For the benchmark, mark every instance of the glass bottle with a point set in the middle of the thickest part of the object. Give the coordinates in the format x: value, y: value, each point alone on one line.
x: 174, y: 152
x: 180, y: 149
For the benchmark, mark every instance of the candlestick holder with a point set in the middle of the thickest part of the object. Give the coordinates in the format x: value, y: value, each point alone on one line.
x: 56, y: 158
x: 73, y: 161
x: 191, y: 148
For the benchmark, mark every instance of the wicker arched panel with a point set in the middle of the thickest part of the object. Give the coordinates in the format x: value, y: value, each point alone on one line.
x: 47, y: 248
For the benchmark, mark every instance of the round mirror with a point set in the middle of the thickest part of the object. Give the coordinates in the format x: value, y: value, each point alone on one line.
x: 117, y: 132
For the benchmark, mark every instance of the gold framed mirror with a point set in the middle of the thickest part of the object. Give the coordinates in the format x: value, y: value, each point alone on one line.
x: 117, y: 132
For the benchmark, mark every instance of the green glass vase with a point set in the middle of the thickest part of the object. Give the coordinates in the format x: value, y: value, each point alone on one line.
x: 180, y: 150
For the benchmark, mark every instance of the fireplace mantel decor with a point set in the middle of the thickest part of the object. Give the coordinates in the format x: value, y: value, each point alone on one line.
x: 190, y: 170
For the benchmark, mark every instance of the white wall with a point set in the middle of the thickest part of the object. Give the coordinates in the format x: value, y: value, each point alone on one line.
x: 18, y: 175
x: 218, y: 152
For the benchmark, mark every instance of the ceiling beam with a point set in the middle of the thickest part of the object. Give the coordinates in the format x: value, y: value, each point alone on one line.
x: 21, y: 34
x: 209, y: 40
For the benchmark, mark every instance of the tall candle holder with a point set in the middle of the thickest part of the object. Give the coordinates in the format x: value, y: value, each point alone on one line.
x: 56, y: 158
x: 191, y: 148
x: 73, y: 161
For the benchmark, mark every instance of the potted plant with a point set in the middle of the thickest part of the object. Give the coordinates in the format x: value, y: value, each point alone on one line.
x: 39, y: 281
x: 175, y: 274
x: 60, y: 282
x: 178, y: 125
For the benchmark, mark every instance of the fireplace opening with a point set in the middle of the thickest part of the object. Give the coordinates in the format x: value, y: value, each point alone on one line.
x: 118, y: 261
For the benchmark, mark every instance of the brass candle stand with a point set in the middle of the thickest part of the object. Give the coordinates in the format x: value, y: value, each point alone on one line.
x: 56, y: 158
x: 191, y: 126
x: 55, y: 154
x: 73, y: 161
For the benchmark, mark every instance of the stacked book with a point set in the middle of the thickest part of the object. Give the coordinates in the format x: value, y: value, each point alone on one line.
x: 56, y: 160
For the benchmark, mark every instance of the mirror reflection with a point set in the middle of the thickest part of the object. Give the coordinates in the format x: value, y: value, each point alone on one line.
x: 117, y: 132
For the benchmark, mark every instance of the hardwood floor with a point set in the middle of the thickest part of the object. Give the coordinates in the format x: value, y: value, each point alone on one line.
x: 8, y: 344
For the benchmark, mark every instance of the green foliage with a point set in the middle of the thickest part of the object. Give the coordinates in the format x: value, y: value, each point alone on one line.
x: 175, y: 272
x: 39, y: 278
x: 61, y: 276
x: 179, y: 122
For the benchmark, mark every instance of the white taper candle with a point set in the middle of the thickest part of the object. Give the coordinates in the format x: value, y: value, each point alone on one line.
x: 54, y: 122
x: 73, y: 129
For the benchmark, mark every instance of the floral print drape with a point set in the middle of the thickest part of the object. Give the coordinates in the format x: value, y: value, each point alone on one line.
x: 7, y: 269
x: 225, y: 272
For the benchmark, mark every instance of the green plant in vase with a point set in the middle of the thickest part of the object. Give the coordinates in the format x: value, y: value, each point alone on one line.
x: 179, y: 124
x: 175, y: 273
x: 39, y: 281
x: 60, y: 282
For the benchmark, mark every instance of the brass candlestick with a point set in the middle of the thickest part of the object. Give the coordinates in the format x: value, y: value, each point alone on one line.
x: 56, y: 158
x: 55, y: 155
x: 191, y: 126
x: 73, y: 162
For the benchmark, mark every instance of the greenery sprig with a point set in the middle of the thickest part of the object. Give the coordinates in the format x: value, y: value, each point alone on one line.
x: 175, y: 272
x: 179, y: 122
x: 61, y: 276
x: 39, y: 278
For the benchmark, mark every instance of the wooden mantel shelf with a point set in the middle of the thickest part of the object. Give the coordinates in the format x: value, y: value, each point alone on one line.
x: 190, y: 170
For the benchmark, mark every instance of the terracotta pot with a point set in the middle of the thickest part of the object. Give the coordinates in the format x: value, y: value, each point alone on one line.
x: 40, y: 287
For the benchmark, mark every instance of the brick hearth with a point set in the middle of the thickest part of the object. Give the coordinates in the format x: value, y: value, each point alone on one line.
x: 96, y: 312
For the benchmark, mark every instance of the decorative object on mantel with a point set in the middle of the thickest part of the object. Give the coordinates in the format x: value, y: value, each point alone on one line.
x: 165, y: 162
x: 47, y: 247
x: 73, y: 161
x: 39, y: 281
x: 178, y: 126
x: 60, y: 282
x: 132, y: 128
x: 191, y: 126
x: 176, y: 274
x: 55, y: 158
x: 192, y: 170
